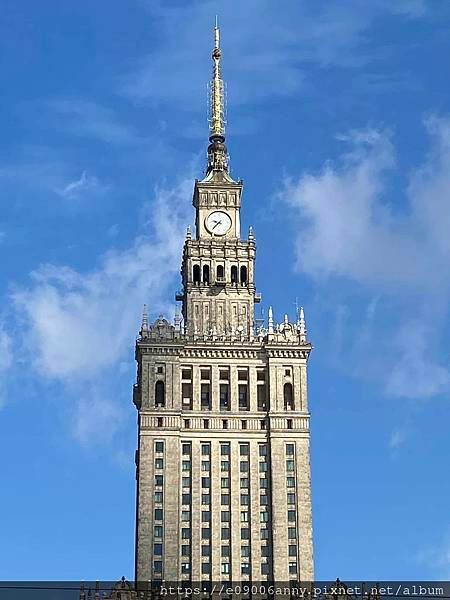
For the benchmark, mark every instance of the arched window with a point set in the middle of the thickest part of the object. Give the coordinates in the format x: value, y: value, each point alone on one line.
x: 288, y: 397
x: 160, y: 395
x: 243, y: 275
x: 205, y: 274
x: 234, y: 274
x: 196, y: 273
x: 220, y: 274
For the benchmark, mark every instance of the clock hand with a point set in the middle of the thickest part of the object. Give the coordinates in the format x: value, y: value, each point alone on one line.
x: 216, y: 223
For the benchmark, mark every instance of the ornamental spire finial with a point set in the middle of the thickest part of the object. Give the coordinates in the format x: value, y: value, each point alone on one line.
x: 302, y: 326
x: 217, y: 151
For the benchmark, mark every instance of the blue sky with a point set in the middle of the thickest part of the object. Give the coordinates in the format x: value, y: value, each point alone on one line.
x: 339, y: 124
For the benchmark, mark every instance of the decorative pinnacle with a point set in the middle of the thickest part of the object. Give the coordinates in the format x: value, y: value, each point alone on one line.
x: 270, y: 315
x: 144, y: 326
x: 302, y: 325
x: 216, y: 93
x: 188, y: 233
x: 251, y: 235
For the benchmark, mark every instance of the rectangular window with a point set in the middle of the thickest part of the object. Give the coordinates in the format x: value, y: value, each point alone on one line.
x: 224, y: 499
x: 263, y: 467
x: 243, y: 397
x: 290, y: 449
x: 159, y: 480
x: 158, y: 514
x: 206, y: 482
x: 243, y: 374
x: 206, y: 498
x: 225, y: 551
x: 265, y: 569
x: 225, y: 424
x: 244, y: 499
x: 244, y: 424
x: 225, y: 449
x: 205, y: 396
x: 225, y: 533
x: 158, y: 531
x: 159, y: 463
x: 185, y: 499
x: 245, y: 533
x: 186, y: 465
x: 206, y: 550
x: 243, y: 449
x: 159, y: 447
x: 186, y: 533
x: 265, y: 551
x: 245, y: 568
x: 187, y: 423
x: 291, y: 498
x: 261, y: 397
x: 263, y: 449
x: 186, y: 448
x: 264, y: 517
x: 264, y: 533
x: 205, y: 423
x: 206, y: 516
x: 245, y: 551
x: 291, y: 515
x: 186, y: 395
x: 289, y: 465
x: 157, y: 566
x: 264, y: 500
x: 185, y: 515
x: 292, y: 533
x: 292, y: 568
x: 224, y: 465
x: 290, y: 482
x: 205, y: 374
x: 244, y: 482
x: 225, y: 568
x: 224, y: 396
x: 206, y: 449
x: 205, y: 465
x: 224, y: 374
x: 289, y: 423
x: 263, y: 483
x: 243, y: 467
x: 158, y: 497
x: 185, y: 550
x: 186, y: 481
x: 224, y: 483
x: 292, y: 550
x: 185, y: 567
x: 225, y: 516
x: 206, y: 533
x: 260, y: 375
x: 157, y: 549
x: 186, y: 374
x: 244, y: 516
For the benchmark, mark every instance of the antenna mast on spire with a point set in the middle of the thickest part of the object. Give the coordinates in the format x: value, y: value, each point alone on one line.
x: 216, y: 93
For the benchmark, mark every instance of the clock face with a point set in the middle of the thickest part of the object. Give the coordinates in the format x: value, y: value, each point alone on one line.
x: 218, y: 223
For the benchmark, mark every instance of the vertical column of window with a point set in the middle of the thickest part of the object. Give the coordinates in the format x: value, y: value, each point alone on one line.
x: 158, y: 527
x: 244, y: 468
x: 186, y: 388
x: 224, y: 389
x: 205, y: 388
x: 186, y: 509
x: 264, y: 505
x: 291, y: 511
x: 206, y: 511
x: 243, y: 395
x: 225, y: 510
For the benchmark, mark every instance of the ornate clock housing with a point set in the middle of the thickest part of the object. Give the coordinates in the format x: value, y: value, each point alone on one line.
x: 218, y: 222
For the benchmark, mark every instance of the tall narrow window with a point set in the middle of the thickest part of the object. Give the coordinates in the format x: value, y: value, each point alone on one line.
x: 186, y: 393
x: 220, y: 273
x: 205, y: 274
x: 243, y: 275
x: 261, y: 395
x: 196, y: 273
x: 224, y: 397
x: 288, y: 397
x: 205, y: 396
x: 160, y: 396
x: 234, y: 274
x: 243, y: 397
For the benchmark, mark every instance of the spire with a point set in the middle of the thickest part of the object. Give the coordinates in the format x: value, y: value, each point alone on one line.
x: 302, y: 325
x: 270, y: 316
x: 144, y: 326
x: 217, y: 151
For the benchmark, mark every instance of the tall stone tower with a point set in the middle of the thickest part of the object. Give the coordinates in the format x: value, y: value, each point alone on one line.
x: 223, y: 474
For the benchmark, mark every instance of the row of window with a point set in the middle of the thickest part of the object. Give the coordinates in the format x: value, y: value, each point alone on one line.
x: 203, y: 275
x: 224, y: 396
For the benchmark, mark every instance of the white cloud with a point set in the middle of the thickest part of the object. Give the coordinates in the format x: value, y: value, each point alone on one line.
x: 398, y: 437
x: 347, y: 229
x: 84, y: 185
x: 81, y: 326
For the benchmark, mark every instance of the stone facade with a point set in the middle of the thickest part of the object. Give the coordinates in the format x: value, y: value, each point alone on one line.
x: 223, y: 474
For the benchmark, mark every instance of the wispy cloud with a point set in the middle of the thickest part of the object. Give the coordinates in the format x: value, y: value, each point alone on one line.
x: 84, y: 186
x: 437, y: 558
x: 81, y: 326
x: 347, y: 230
